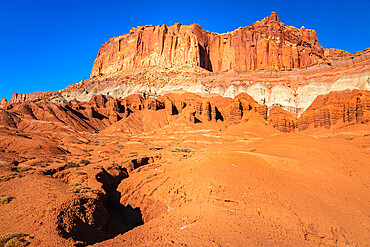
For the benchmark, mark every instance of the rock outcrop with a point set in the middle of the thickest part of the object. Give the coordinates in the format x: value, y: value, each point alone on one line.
x: 346, y: 107
x: 3, y: 102
x: 265, y: 45
x: 134, y: 113
x: 283, y: 120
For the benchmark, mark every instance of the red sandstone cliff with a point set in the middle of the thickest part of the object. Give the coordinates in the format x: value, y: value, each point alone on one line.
x: 3, y: 102
x: 265, y: 45
x: 346, y: 107
x: 18, y: 98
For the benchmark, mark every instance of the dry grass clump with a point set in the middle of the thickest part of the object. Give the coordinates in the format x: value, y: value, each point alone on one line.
x: 84, y: 162
x: 348, y: 138
x: 185, y: 150
x: 71, y: 165
x: 10, y: 176
x: 79, y: 188
x: 132, y: 154
x: 25, y: 168
x: 13, y: 240
x: 5, y: 199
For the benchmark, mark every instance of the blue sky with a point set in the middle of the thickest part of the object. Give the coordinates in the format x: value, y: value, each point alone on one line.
x: 50, y: 44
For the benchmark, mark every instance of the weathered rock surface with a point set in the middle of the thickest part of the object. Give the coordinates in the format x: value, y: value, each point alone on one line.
x: 3, y: 102
x: 347, y: 107
x: 134, y: 113
x: 265, y: 45
x: 283, y: 120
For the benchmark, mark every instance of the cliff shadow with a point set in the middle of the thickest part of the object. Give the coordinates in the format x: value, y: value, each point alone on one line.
x: 205, y: 62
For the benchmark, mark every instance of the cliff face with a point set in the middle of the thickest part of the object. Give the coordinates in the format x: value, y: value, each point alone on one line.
x: 17, y: 98
x: 264, y: 45
x: 136, y: 113
x: 346, y: 107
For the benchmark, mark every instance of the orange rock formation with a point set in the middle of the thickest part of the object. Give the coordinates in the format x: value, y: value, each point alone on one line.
x: 265, y: 45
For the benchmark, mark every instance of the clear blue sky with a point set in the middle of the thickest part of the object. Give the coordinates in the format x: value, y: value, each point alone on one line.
x: 50, y: 44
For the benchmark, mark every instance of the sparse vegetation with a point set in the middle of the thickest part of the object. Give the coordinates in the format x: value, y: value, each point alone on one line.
x: 13, y: 240
x: 71, y: 165
x: 116, y: 165
x: 5, y: 199
x: 348, y: 138
x: 79, y: 188
x: 10, y: 176
x: 120, y: 146
x: 186, y: 150
x: 81, y: 173
x: 25, y: 168
x: 132, y: 154
x: 253, y: 149
x: 84, y: 162
x: 149, y: 176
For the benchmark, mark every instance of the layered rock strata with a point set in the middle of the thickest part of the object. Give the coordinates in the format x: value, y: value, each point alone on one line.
x: 265, y: 45
x: 348, y: 107
x: 135, y: 113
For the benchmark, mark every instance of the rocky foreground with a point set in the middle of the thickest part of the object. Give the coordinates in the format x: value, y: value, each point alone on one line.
x: 183, y: 137
x: 185, y: 170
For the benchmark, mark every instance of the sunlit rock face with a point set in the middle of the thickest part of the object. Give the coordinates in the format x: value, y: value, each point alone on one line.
x: 307, y: 94
x: 277, y: 65
x: 265, y: 45
x: 259, y: 93
x: 354, y: 80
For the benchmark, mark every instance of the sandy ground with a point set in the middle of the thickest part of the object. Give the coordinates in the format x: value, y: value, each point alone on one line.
x: 194, y: 187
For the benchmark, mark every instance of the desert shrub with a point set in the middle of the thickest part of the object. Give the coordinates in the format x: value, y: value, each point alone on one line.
x: 13, y: 240
x: 149, y: 176
x: 348, y: 138
x: 79, y: 188
x: 185, y: 150
x: 81, y: 173
x: 5, y: 199
x: 84, y: 162
x: 71, y: 165
x: 116, y: 165
x: 120, y: 146
x: 25, y: 168
x: 10, y: 176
